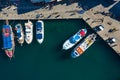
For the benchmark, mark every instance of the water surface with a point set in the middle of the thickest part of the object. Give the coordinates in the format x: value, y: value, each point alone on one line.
x: 49, y: 62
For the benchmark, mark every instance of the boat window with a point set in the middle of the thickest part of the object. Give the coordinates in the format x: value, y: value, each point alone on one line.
x: 77, y: 37
x: 72, y: 40
x: 75, y: 53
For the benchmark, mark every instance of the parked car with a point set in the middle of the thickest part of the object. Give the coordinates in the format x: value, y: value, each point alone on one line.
x: 99, y: 28
x: 111, y: 40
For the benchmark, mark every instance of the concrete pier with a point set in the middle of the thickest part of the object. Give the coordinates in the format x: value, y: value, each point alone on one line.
x: 108, y: 24
x: 60, y: 11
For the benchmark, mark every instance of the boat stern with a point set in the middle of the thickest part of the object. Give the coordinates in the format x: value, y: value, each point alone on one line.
x: 9, y: 53
x: 74, y: 54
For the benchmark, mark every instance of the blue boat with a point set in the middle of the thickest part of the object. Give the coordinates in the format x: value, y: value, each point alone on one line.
x: 8, y: 40
x: 39, y: 31
x: 19, y: 33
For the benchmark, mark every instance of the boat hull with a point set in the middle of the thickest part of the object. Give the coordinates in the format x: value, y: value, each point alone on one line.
x: 66, y: 44
x: 28, y: 32
x: 21, y: 38
x: 71, y: 41
x: 40, y: 32
x: 83, y: 46
x: 9, y: 51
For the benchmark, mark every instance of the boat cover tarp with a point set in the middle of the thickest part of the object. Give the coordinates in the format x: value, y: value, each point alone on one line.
x: 39, y: 25
x: 7, y: 40
x: 74, y: 39
x: 39, y: 28
x: 18, y: 32
x: 39, y: 36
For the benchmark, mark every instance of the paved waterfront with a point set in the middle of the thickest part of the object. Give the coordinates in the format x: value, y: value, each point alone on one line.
x: 57, y: 12
x: 108, y: 24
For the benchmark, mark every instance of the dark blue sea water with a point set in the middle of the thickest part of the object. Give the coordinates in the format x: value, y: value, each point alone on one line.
x: 49, y: 62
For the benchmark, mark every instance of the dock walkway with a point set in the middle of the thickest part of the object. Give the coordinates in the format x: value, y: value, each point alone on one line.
x: 64, y: 11
x: 107, y: 22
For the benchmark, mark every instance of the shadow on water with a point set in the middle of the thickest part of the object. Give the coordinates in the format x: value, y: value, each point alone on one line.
x: 115, y: 10
x: 49, y: 60
x: 63, y: 54
x: 88, y: 4
x: 23, y: 8
x: 20, y: 4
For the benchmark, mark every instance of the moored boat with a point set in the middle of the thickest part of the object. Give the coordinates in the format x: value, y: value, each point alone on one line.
x: 83, y: 46
x: 19, y: 33
x: 8, y: 41
x: 28, y: 32
x: 39, y: 31
x: 74, y: 39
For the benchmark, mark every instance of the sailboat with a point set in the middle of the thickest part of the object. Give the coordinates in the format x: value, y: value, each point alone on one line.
x: 28, y: 32
x: 19, y: 33
x: 39, y: 31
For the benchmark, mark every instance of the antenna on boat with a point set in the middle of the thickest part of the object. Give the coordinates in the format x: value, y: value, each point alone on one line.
x: 7, y: 22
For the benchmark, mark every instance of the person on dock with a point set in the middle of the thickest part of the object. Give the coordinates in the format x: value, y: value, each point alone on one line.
x: 87, y: 19
x: 102, y: 19
x: 98, y: 20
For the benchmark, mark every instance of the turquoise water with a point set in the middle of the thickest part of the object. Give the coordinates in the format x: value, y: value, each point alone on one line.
x: 49, y: 62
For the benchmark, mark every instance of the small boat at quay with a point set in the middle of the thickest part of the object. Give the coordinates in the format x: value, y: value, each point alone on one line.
x: 28, y: 32
x: 39, y: 31
x: 19, y: 33
x: 74, y: 39
x: 83, y: 46
x: 8, y: 40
